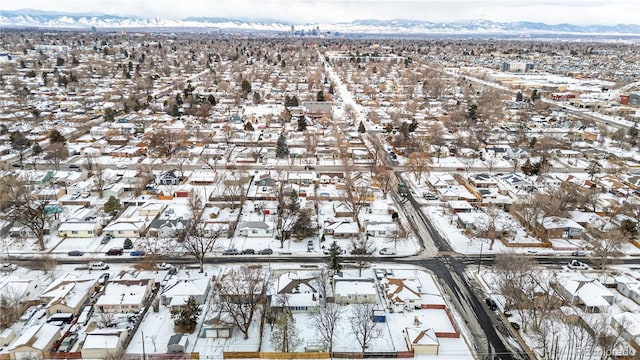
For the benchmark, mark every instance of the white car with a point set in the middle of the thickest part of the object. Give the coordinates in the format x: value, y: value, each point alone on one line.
x: 98, y: 266
x: 387, y: 251
x: 164, y: 266
x: 578, y: 265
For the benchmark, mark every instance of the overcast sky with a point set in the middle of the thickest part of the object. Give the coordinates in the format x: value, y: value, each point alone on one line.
x: 582, y: 12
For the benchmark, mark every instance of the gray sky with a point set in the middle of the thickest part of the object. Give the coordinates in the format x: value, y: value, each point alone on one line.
x: 582, y: 12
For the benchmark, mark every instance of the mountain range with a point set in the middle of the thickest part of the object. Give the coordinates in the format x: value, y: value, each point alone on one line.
x: 41, y: 19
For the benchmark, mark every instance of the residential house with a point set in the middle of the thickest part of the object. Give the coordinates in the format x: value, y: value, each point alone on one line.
x: 80, y: 229
x: 460, y: 206
x: 581, y: 291
x: 629, y: 287
x: 21, y: 291
x: 256, y: 229
x: 421, y: 341
x: 167, y: 228
x: 386, y: 229
x: 34, y: 342
x: 341, y: 229
x: 124, y: 296
x: 628, y: 325
x: 67, y: 294
x: 170, y: 177
x: 296, y: 292
x: 401, y: 294
x: 104, y: 343
x: 555, y: 227
x: 178, y: 290
x: 482, y: 181
x: 354, y: 291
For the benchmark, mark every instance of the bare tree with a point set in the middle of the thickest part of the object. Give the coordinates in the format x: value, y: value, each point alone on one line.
x: 362, y: 251
x: 55, y: 153
x: 364, y: 328
x: 325, y: 320
x: 29, y: 211
x: 384, y: 179
x: 197, y: 240
x: 240, y: 293
x: 10, y: 306
x: 234, y: 192
x: 285, y: 335
x: 607, y: 242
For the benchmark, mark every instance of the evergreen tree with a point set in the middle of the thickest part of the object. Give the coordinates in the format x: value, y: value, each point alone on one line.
x: 361, y: 128
x: 534, y: 95
x: 282, y: 150
x: 303, y: 227
x: 212, y: 100
x: 320, y: 96
x: 112, y: 204
x: 473, y: 112
x: 248, y: 126
x: 186, y: 316
x: 246, y: 87
x: 56, y: 137
x: 518, y: 96
x: 36, y: 149
x: 302, y: 123
x: 333, y: 262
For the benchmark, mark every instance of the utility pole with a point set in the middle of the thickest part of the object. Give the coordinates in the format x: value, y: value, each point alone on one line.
x: 144, y: 354
x: 480, y: 258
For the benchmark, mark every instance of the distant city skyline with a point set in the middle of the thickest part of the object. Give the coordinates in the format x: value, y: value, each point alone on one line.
x: 579, y: 12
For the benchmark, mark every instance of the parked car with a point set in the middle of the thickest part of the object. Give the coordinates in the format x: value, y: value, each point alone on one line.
x: 98, y: 266
x: 137, y: 253
x: 75, y: 253
x: 165, y: 266
x: 309, y: 167
x: 578, y: 265
x: 266, y: 251
x: 248, y: 252
x: 579, y: 253
x: 491, y: 303
x: 114, y: 251
x: 360, y: 251
x: 231, y: 251
x: 310, y: 246
x: 105, y: 239
x: 7, y: 267
x: 387, y: 251
x: 103, y: 278
x: 74, y: 166
x: 515, y: 325
x: 68, y: 342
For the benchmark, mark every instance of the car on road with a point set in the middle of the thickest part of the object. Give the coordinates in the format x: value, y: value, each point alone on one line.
x: 98, y: 266
x: 137, y: 253
x: 309, y: 167
x: 232, y: 251
x: 75, y: 253
x: 74, y: 166
x: 515, y: 325
x: 579, y: 253
x: 121, y: 166
x: 460, y: 169
x: 248, y: 252
x: 103, y: 278
x: 310, y: 246
x: 164, y: 266
x: 114, y: 251
x: 387, y: 251
x: 577, y: 265
x: 266, y: 251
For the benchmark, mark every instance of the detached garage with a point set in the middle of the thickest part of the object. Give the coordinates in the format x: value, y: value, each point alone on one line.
x: 422, y: 341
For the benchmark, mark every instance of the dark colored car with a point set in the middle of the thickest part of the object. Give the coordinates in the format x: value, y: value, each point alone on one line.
x: 114, y: 251
x: 265, y: 251
x: 230, y: 252
x: 105, y: 239
x: 75, y: 253
x: 248, y: 252
x: 491, y: 304
x: 137, y: 253
x: 515, y: 325
x: 360, y: 252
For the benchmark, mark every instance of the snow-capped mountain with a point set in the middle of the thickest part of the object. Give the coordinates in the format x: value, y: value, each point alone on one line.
x: 40, y: 19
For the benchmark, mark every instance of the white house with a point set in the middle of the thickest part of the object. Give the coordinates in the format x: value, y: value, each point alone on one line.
x: 256, y: 229
x: 401, y: 294
x: 178, y: 290
x: 582, y: 291
x: 354, y: 291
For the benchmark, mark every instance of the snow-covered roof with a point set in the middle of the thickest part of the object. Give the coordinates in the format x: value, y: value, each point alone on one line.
x: 37, y: 337
x: 354, y: 287
x: 102, y: 339
x: 418, y: 336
